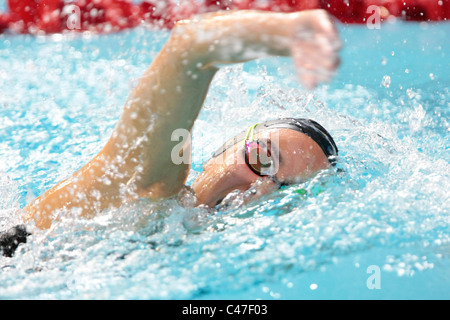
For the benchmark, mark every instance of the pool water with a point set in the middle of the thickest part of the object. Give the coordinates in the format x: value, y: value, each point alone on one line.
x: 375, y: 227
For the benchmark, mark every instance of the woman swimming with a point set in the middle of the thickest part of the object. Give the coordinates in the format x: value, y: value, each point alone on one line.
x: 137, y: 161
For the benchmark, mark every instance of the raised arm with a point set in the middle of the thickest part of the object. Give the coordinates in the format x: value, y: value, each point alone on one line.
x: 136, y: 161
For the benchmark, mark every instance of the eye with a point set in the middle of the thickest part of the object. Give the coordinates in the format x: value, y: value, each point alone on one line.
x: 259, y: 158
x: 264, y: 160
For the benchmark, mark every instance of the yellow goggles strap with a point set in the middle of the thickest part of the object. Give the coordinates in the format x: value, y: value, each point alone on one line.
x: 251, y: 131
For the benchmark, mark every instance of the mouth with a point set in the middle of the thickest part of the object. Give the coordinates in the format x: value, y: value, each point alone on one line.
x: 229, y: 196
x: 219, y: 202
x: 241, y: 196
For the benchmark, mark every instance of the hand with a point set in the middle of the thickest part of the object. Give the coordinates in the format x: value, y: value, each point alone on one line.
x: 315, y: 47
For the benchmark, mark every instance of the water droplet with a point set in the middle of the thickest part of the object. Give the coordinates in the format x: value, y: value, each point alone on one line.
x: 187, y: 197
x: 275, y: 295
x: 386, y: 82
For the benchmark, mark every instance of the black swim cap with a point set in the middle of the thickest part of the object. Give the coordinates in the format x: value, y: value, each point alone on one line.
x: 307, y: 126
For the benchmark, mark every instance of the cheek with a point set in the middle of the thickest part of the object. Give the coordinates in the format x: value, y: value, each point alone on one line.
x: 302, y: 167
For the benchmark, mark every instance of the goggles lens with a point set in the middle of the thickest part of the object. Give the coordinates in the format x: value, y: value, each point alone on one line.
x: 259, y: 158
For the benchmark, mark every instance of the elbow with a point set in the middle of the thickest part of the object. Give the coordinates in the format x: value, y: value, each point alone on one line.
x: 194, y: 43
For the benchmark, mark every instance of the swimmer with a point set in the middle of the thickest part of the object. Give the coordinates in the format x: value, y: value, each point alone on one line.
x: 137, y: 162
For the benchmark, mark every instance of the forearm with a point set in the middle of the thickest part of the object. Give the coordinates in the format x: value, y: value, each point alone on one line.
x: 239, y: 36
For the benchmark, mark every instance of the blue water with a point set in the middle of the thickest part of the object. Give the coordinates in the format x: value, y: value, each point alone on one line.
x: 387, y: 207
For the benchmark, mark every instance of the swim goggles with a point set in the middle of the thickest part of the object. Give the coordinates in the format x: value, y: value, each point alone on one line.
x: 258, y: 157
x: 307, y: 126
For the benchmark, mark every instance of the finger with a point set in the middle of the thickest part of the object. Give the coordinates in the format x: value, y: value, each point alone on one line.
x: 328, y: 23
x: 311, y: 61
x: 330, y: 63
x: 325, y: 22
x: 308, y: 81
x: 318, y: 75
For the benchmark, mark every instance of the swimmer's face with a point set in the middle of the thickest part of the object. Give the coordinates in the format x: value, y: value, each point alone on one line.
x: 295, y: 155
